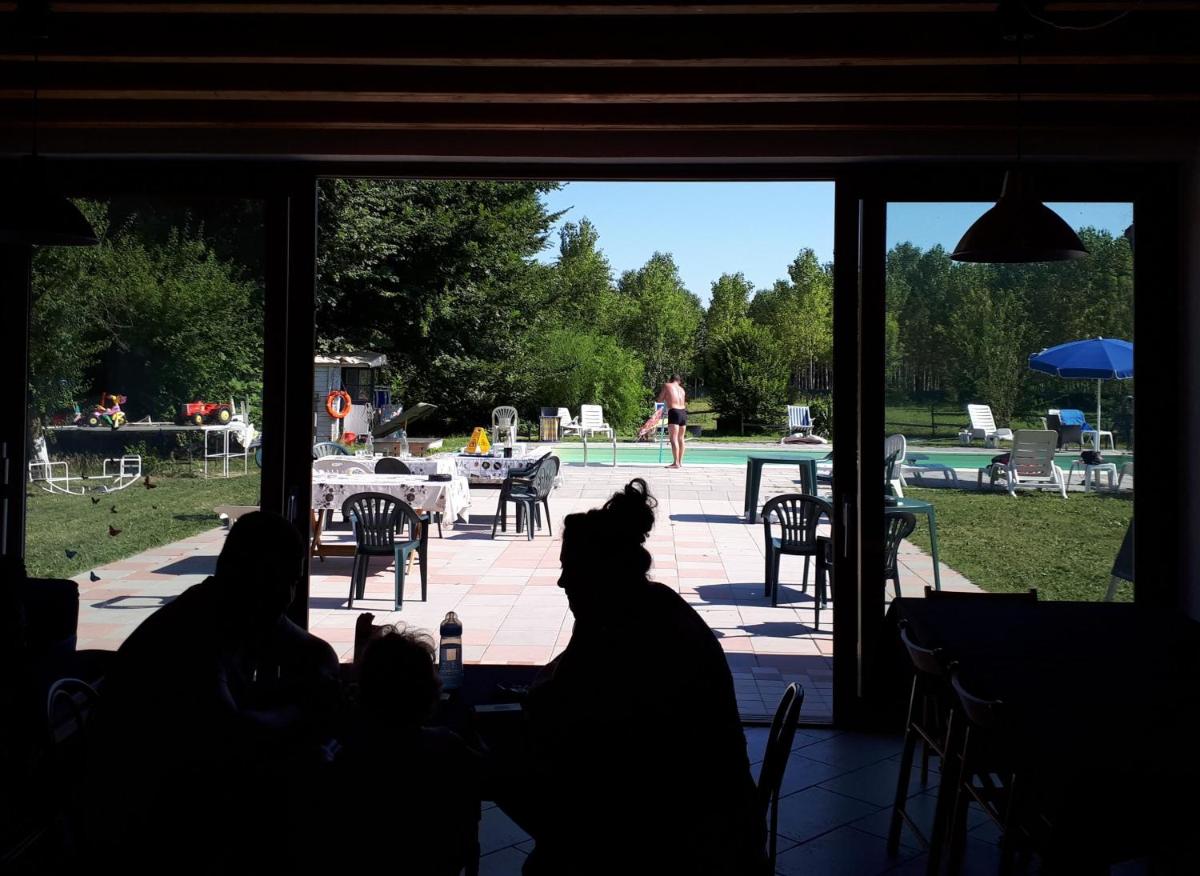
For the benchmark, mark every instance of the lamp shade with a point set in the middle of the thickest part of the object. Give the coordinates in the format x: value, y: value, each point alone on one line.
x: 41, y: 218
x: 1019, y: 229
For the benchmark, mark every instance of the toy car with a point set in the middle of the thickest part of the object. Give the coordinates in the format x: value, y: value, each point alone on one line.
x: 205, y: 412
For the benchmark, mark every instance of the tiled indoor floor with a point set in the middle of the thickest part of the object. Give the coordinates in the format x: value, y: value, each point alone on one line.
x: 505, y: 592
x: 833, y: 818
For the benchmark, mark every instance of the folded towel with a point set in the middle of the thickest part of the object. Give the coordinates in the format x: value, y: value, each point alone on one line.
x: 1071, y: 417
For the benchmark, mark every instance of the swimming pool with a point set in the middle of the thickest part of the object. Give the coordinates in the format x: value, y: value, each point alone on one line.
x: 642, y: 454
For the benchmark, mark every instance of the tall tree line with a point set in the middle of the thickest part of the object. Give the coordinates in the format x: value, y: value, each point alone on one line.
x: 444, y: 278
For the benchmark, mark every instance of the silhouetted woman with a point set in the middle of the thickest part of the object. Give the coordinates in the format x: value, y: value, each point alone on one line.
x: 639, y: 760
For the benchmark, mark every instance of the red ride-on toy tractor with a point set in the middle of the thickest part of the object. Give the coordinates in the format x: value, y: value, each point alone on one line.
x: 200, y: 413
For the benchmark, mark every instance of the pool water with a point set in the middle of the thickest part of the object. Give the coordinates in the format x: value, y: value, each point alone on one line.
x: 649, y: 455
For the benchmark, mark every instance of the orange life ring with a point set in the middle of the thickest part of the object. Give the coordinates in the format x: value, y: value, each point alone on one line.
x: 334, y: 396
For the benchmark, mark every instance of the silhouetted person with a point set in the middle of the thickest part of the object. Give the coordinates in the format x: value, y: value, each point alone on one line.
x: 417, y: 786
x: 209, y: 706
x: 638, y: 757
x: 674, y: 397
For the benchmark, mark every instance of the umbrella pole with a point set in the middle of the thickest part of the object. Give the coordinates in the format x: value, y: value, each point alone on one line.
x: 1097, y: 416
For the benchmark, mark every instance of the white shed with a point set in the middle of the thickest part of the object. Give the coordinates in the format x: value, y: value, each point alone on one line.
x: 356, y: 373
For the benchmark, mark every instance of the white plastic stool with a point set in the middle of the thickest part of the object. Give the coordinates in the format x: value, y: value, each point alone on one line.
x: 1091, y: 474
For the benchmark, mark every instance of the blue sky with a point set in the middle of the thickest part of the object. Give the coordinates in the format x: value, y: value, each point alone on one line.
x: 755, y: 228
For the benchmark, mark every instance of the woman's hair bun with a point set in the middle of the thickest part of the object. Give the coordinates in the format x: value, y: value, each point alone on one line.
x: 634, y: 508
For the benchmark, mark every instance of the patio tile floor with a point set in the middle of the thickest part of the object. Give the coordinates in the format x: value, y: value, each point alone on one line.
x: 504, y: 590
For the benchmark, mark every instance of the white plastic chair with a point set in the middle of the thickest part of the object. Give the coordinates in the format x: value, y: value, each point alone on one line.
x: 504, y: 421
x: 589, y: 422
x: 1030, y: 464
x: 898, y: 445
x: 983, y: 425
x: 799, y: 419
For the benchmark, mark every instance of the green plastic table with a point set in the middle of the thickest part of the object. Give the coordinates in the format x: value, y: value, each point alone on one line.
x: 916, y: 506
x: 754, y: 467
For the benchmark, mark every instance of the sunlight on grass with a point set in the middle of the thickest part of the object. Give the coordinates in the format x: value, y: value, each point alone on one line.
x: 1064, y: 548
x: 147, y: 518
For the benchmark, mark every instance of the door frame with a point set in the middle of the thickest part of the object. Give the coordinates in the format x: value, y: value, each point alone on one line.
x: 1159, y: 313
x: 862, y: 191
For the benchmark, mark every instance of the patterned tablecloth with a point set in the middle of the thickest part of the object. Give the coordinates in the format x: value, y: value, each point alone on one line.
x: 418, y: 465
x: 494, y: 469
x: 451, y: 498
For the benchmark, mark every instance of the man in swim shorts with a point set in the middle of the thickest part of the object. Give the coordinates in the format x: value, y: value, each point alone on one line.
x: 676, y: 400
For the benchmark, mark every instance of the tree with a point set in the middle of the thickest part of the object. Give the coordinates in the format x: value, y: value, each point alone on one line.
x: 660, y: 319
x: 164, y: 322
x: 440, y: 275
x: 728, y: 304
x: 583, y: 292
x: 799, y: 313
x: 578, y: 367
x: 969, y: 329
x: 748, y: 379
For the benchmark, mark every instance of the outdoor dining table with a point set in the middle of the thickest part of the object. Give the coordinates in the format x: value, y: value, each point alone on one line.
x: 451, y: 499
x: 1102, y: 702
x: 485, y: 470
x: 916, y: 506
x: 754, y: 467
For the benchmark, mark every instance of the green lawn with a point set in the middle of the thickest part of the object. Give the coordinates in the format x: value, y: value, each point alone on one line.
x: 1064, y: 548
x: 175, y: 509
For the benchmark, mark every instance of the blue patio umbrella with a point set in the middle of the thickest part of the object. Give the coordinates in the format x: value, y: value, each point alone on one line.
x: 1088, y: 359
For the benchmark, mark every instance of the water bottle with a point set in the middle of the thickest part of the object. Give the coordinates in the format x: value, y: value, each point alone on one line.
x: 450, y: 665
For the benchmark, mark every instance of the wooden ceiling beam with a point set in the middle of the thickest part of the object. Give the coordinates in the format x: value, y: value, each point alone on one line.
x: 611, y: 147
x: 732, y: 62
x: 498, y: 97
x: 610, y: 9
x: 424, y: 84
x: 84, y: 114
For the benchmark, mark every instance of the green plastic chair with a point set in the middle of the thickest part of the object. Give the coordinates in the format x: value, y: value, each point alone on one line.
x: 897, y: 527
x: 796, y: 515
x: 379, y: 523
x: 527, y: 490
x: 391, y: 465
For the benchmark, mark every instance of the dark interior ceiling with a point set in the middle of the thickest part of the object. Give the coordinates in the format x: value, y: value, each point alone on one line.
x: 612, y: 81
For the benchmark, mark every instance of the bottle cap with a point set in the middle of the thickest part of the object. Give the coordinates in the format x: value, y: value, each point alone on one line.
x: 451, y: 626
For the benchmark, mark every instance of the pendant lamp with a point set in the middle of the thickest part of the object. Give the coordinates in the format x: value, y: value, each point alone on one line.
x: 1019, y: 228
x: 32, y: 212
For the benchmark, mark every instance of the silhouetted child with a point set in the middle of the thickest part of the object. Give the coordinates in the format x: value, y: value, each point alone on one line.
x: 638, y: 757
x: 416, y: 785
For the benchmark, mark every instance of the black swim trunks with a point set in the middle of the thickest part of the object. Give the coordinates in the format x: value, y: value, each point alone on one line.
x: 677, y: 417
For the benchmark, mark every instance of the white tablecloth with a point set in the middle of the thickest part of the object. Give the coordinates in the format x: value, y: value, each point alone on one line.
x: 450, y: 498
x: 418, y: 465
x: 493, y: 469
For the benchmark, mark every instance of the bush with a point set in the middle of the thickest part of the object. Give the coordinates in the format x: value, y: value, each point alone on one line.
x: 578, y: 367
x: 748, y: 376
